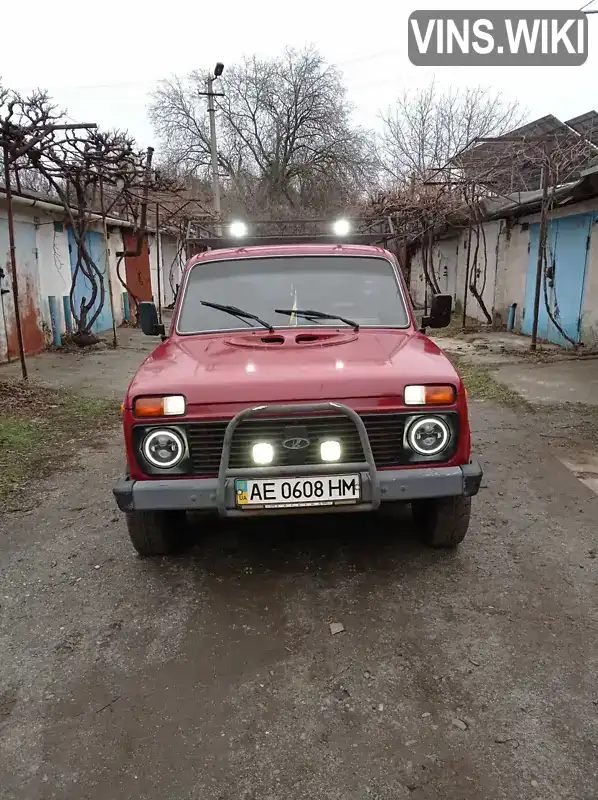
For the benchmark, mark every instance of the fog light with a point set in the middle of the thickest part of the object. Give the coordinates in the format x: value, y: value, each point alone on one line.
x: 341, y: 227
x: 238, y: 229
x: 263, y: 453
x: 330, y: 451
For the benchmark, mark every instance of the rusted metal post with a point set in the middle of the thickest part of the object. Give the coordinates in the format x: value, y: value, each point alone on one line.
x: 13, y: 259
x: 465, y: 291
x: 108, y: 271
x: 540, y: 261
x: 109, y: 276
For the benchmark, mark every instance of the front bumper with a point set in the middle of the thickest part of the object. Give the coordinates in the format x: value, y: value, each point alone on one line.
x: 378, y: 486
x: 202, y: 494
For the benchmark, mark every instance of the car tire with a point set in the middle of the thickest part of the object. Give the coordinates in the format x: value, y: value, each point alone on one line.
x: 156, y: 533
x: 442, y: 521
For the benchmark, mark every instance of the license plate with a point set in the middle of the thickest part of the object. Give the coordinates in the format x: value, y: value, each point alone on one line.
x: 320, y: 490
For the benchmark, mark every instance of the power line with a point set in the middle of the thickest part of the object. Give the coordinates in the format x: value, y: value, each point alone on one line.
x: 152, y: 81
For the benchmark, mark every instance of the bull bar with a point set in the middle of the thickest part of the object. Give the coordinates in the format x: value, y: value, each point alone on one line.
x: 218, y: 494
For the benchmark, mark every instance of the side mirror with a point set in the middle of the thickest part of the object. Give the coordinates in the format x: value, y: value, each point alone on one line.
x: 440, y: 312
x: 148, y: 319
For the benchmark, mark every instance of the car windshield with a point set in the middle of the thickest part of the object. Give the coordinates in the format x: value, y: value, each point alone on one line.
x: 361, y: 288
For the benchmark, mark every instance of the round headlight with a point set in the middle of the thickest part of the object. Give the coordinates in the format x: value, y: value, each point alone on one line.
x: 163, y: 448
x: 428, y: 435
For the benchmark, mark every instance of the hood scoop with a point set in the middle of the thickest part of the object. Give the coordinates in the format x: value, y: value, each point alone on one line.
x: 272, y: 339
x: 286, y: 339
x: 307, y: 338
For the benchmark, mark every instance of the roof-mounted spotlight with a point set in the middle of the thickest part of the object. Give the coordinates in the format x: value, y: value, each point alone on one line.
x: 238, y: 229
x: 341, y: 227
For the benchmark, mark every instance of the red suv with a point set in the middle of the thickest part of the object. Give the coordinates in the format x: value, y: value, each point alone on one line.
x: 295, y: 379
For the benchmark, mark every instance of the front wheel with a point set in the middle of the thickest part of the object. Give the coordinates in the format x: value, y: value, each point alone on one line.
x: 442, y: 521
x: 156, y: 533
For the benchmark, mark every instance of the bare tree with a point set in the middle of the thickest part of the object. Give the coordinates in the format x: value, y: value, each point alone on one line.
x: 426, y: 129
x: 87, y: 171
x: 284, y: 131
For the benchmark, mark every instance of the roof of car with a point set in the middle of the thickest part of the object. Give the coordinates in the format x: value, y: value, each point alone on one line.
x: 291, y: 250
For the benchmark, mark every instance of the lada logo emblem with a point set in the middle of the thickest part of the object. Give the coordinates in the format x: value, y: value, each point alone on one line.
x: 296, y: 443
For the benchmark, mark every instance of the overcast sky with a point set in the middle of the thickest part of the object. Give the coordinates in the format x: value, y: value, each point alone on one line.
x: 100, y: 61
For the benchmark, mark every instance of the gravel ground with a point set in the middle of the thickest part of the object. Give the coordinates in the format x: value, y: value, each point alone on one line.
x: 214, y: 674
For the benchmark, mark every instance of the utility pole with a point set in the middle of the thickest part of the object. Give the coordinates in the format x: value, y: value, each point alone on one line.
x: 211, y: 94
x: 215, y: 179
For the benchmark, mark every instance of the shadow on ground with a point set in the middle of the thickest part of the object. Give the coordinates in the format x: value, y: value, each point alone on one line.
x: 362, y: 544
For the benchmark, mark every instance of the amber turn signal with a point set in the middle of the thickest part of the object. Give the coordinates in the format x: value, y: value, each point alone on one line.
x: 170, y: 406
x: 429, y: 395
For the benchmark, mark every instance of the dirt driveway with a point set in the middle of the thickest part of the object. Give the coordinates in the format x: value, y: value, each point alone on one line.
x: 214, y: 676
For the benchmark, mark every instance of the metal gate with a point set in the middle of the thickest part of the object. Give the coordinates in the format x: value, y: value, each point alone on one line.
x: 29, y: 293
x: 94, y: 243
x: 567, y: 246
x: 137, y: 270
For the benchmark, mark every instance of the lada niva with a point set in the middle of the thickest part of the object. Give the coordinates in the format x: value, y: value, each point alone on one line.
x: 295, y: 379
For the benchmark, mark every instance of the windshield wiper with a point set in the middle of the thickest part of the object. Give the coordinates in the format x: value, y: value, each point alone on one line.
x: 238, y: 313
x: 310, y: 314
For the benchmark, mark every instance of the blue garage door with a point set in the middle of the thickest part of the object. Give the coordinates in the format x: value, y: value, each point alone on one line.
x: 567, y: 250
x: 94, y: 242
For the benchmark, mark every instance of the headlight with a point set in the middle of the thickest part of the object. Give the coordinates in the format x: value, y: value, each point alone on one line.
x: 173, y: 405
x: 263, y: 453
x: 428, y: 435
x: 330, y: 451
x: 163, y: 448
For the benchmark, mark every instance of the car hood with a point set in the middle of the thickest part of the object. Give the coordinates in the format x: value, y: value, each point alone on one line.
x: 298, y: 366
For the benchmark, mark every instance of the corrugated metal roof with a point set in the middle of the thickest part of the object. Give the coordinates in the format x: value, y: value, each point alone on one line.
x: 499, y: 206
x: 586, y: 125
x: 507, y: 166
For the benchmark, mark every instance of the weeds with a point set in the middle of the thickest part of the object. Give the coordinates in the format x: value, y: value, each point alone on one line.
x: 42, y: 429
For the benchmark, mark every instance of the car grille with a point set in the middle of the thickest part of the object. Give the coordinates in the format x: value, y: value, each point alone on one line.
x: 385, y: 432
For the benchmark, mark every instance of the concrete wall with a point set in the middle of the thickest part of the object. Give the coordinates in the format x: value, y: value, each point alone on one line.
x: 54, y: 264
x: 116, y: 245
x: 153, y: 261
x: 507, y: 244
x: 511, y: 272
x: 168, y: 256
x: 172, y: 267
x: 450, y: 263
